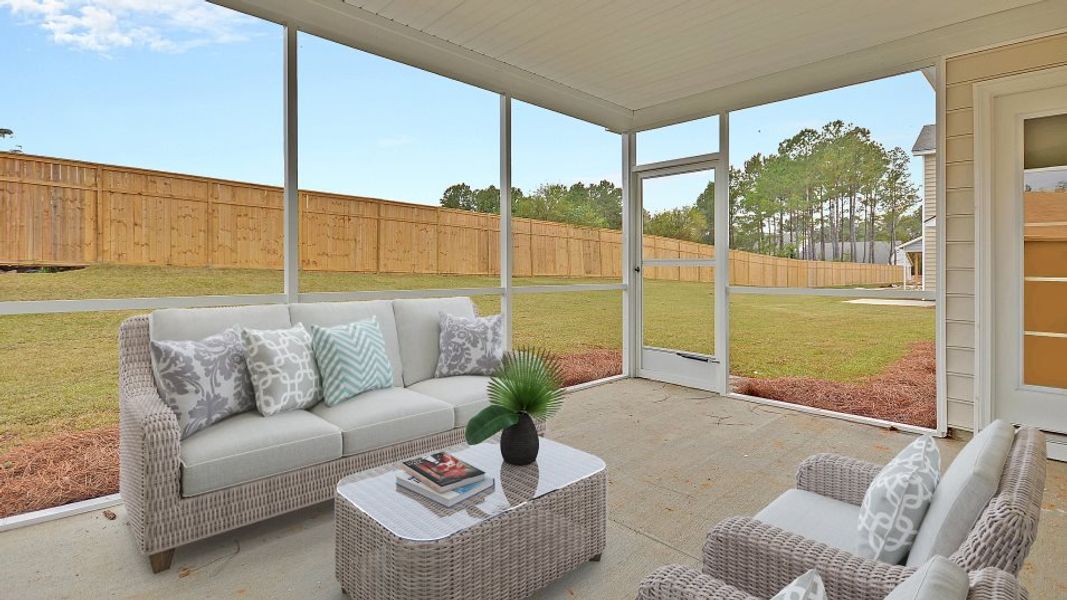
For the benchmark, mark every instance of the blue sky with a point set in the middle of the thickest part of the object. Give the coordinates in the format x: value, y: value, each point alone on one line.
x: 189, y: 87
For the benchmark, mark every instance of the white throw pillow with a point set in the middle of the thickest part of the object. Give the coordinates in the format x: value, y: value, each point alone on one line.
x: 282, y: 368
x: 896, y: 501
x: 808, y: 586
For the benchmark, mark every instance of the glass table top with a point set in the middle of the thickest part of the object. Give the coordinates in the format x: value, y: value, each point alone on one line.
x: 410, y: 516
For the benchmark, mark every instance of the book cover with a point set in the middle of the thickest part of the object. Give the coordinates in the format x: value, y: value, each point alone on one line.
x: 448, y: 499
x: 442, y: 471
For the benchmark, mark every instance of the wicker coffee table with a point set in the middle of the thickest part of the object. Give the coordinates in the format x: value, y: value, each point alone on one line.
x: 537, y: 523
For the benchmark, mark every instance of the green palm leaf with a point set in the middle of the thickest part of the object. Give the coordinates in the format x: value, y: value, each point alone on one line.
x: 530, y: 381
x: 487, y: 422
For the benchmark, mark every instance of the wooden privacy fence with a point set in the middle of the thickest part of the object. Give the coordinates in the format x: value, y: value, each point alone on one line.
x: 63, y: 212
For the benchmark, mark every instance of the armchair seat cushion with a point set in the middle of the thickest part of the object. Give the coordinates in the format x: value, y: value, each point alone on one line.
x: 467, y: 394
x: 818, y: 518
x: 380, y: 418
x: 249, y: 446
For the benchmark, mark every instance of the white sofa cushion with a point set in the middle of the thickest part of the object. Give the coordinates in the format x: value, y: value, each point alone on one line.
x: 963, y: 493
x: 466, y: 393
x: 249, y: 446
x: 331, y: 314
x: 938, y: 579
x: 419, y: 332
x: 199, y: 323
x: 815, y: 517
x: 382, y: 418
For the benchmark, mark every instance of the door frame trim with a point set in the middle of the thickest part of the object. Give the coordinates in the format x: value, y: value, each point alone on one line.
x: 985, y: 93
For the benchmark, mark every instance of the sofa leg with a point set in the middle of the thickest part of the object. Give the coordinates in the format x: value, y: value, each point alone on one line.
x: 161, y: 560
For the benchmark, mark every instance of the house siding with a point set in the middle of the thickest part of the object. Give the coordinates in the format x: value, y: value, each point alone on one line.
x: 929, y: 225
x: 961, y: 73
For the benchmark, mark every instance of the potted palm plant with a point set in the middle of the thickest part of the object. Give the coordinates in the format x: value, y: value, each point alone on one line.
x: 527, y: 386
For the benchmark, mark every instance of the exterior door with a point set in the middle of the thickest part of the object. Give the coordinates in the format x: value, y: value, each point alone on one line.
x: 1029, y: 261
x: 676, y: 276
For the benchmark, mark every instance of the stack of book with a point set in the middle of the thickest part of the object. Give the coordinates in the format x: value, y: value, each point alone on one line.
x: 442, y: 477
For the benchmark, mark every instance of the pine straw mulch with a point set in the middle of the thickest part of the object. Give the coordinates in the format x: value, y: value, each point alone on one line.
x: 56, y: 470
x: 590, y: 365
x: 906, y: 392
x: 72, y: 466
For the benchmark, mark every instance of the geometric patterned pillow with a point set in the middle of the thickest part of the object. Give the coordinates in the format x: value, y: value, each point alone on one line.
x: 806, y: 587
x: 351, y: 359
x: 203, y: 382
x: 282, y: 369
x: 896, y: 502
x: 470, y: 346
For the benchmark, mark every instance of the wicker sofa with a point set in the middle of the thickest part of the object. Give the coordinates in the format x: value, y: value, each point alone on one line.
x: 761, y: 558
x: 248, y: 468
x: 678, y: 582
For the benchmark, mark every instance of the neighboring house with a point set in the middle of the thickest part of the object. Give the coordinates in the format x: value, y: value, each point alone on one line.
x: 926, y: 147
x: 910, y: 257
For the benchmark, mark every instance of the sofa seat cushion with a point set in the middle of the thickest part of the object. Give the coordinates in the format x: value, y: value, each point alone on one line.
x: 465, y: 393
x: 199, y: 323
x: 815, y: 517
x: 938, y: 579
x: 249, y: 446
x: 382, y: 418
x: 418, y: 325
x: 332, y: 314
x: 963, y: 493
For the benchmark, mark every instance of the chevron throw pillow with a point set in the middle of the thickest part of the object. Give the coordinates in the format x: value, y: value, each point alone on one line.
x: 351, y: 359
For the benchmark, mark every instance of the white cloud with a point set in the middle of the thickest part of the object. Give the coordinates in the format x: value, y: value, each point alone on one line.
x: 105, y: 25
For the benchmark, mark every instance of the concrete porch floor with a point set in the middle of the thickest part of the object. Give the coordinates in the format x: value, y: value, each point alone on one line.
x: 679, y: 460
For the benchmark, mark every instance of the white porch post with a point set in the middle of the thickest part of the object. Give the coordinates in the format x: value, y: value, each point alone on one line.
x: 291, y: 194
x: 631, y: 249
x: 722, y: 254
x: 505, y: 217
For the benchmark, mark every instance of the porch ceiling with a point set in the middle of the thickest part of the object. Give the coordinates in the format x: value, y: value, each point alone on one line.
x: 633, y: 64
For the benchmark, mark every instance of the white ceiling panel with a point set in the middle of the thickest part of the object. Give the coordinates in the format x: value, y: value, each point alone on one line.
x: 610, y: 61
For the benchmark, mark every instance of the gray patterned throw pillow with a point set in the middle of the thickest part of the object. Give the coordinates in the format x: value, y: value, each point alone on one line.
x: 808, y: 586
x: 896, y: 502
x: 470, y: 346
x: 203, y: 382
x: 282, y: 368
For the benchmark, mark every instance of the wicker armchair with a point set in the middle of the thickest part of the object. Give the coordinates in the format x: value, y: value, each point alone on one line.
x: 761, y: 559
x: 677, y: 582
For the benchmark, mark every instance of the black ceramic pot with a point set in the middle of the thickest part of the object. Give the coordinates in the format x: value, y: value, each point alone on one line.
x: 519, y: 443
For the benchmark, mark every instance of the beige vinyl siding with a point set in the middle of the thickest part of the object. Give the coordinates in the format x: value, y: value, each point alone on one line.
x: 929, y: 224
x: 961, y: 73
x: 929, y: 186
x: 930, y: 257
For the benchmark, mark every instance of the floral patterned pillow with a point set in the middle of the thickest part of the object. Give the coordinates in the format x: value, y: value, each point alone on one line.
x: 470, y: 346
x: 203, y: 382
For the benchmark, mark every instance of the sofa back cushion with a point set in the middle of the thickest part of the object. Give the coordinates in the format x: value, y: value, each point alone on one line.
x: 199, y: 323
x: 419, y: 331
x: 332, y: 314
x: 962, y: 494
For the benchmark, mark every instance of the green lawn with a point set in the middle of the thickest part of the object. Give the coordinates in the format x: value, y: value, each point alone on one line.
x: 58, y: 372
